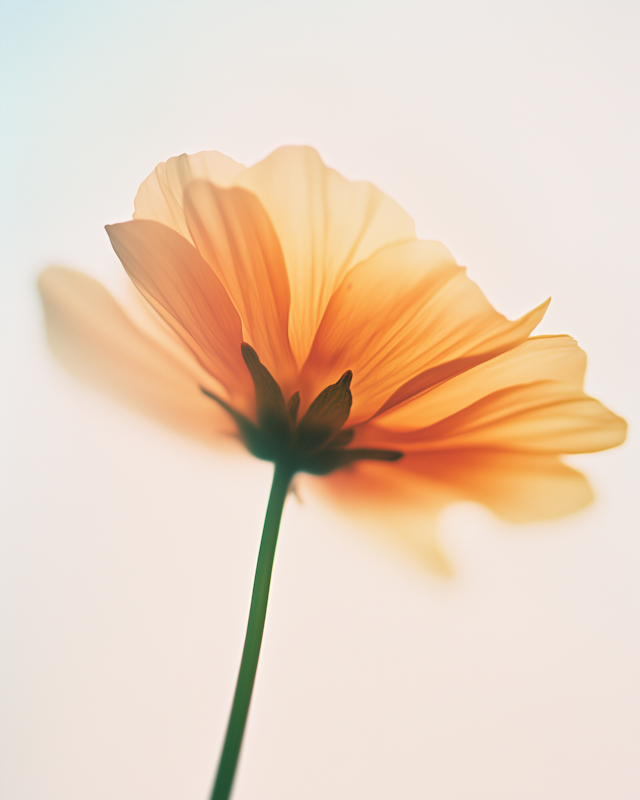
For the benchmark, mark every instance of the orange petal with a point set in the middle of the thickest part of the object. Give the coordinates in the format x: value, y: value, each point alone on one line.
x: 160, y: 197
x: 544, y: 417
x: 325, y: 224
x: 93, y: 338
x: 404, y: 320
x: 402, y: 501
x: 402, y: 512
x: 519, y: 487
x: 235, y: 236
x: 184, y: 290
x: 540, y: 358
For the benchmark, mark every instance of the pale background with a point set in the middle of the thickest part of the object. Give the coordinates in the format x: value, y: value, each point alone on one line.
x: 510, y: 132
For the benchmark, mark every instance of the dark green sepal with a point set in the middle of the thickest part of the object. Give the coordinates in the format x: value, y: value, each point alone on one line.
x: 256, y: 442
x: 328, y: 460
x: 343, y: 438
x: 293, y: 407
x: 318, y: 443
x: 271, y: 409
x: 244, y: 423
x: 326, y: 415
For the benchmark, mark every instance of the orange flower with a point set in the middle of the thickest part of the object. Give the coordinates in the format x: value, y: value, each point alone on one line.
x: 325, y: 282
x: 298, y: 311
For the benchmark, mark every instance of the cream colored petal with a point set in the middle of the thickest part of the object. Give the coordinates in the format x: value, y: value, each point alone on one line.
x: 540, y: 358
x: 325, y: 224
x: 233, y: 233
x: 93, y: 338
x: 184, y: 290
x: 404, y: 320
x: 544, y: 417
x: 160, y: 197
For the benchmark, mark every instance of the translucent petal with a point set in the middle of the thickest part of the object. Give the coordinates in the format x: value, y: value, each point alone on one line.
x: 401, y: 502
x: 325, y: 223
x: 544, y: 417
x: 404, y: 320
x: 184, y: 290
x: 233, y: 233
x: 400, y: 512
x: 519, y: 487
x: 539, y: 358
x: 160, y: 197
x: 92, y: 337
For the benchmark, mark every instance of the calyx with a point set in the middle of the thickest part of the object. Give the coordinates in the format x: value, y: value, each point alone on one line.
x: 317, y: 443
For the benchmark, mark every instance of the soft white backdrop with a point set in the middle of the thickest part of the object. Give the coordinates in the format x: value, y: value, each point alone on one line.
x: 510, y: 132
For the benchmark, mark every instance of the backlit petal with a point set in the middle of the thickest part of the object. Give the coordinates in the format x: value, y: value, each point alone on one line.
x: 540, y: 358
x: 160, y: 197
x: 325, y: 224
x: 404, y: 320
x: 401, y: 511
x: 184, y: 290
x: 93, y: 338
x: 519, y: 487
x: 402, y: 502
x: 545, y: 417
x: 233, y: 233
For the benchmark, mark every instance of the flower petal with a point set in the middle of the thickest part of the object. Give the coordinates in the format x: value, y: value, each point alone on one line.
x: 233, y: 233
x: 95, y: 340
x: 402, y: 501
x: 325, y: 224
x: 540, y: 358
x: 184, y: 290
x: 404, y: 320
x: 544, y: 417
x: 401, y: 511
x: 160, y: 197
x: 519, y: 487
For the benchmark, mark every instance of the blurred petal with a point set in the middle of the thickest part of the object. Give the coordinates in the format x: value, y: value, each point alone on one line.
x: 400, y: 512
x: 404, y: 320
x: 184, y: 290
x: 233, y: 233
x: 518, y: 487
x: 540, y: 358
x: 544, y: 417
x: 160, y: 197
x: 325, y: 224
x: 402, y: 502
x: 94, y: 339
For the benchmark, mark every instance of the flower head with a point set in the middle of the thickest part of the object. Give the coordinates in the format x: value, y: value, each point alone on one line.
x: 299, y: 311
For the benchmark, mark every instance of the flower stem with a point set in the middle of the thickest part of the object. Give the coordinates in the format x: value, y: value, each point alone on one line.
x: 246, y: 677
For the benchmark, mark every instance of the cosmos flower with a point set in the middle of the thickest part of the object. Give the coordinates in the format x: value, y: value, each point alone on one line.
x: 298, y: 312
x: 324, y: 281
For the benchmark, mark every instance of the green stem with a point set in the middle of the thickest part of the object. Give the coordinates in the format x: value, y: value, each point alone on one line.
x: 246, y: 677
